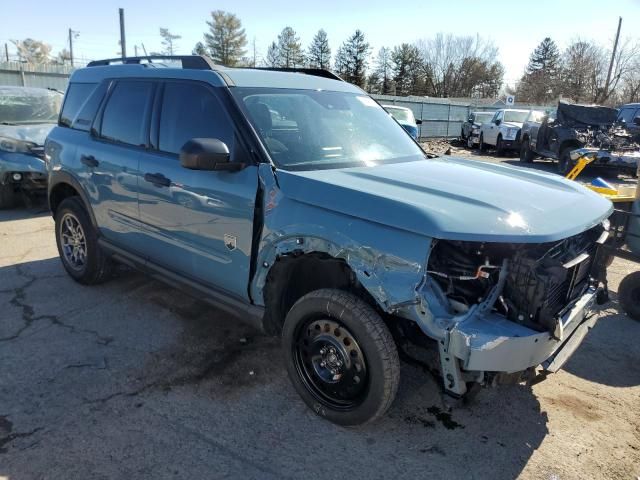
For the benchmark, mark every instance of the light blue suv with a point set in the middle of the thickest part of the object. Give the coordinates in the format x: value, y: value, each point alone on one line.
x: 294, y: 201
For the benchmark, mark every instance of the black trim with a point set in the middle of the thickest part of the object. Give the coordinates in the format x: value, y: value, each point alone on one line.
x: 192, y: 62
x: 316, y: 72
x: 57, y: 177
x: 248, y: 313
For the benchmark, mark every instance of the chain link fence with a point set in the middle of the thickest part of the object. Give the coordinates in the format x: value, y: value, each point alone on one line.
x: 27, y: 75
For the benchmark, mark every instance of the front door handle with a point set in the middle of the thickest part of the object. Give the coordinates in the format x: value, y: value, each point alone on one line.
x: 89, y: 160
x: 157, y: 179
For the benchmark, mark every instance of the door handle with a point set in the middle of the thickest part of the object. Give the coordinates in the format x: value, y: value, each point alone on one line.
x: 157, y: 179
x: 89, y: 160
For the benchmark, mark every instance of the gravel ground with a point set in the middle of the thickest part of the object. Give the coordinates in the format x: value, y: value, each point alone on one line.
x: 132, y: 379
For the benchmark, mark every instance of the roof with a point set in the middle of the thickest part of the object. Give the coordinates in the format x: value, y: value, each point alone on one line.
x: 193, y: 67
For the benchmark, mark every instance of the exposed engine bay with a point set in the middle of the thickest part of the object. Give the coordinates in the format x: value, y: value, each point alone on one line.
x: 542, y: 279
x: 613, y: 139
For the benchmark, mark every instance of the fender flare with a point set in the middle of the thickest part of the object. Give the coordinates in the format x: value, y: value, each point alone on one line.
x: 60, y: 177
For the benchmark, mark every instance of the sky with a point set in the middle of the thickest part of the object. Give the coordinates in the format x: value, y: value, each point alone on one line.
x: 516, y: 27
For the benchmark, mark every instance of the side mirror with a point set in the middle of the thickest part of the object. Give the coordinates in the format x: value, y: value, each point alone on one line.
x: 636, y: 121
x: 207, y: 154
x: 498, y: 122
x: 418, y: 122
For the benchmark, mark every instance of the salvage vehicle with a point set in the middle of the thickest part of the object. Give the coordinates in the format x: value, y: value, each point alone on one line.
x: 26, y: 117
x: 580, y: 126
x: 404, y: 116
x: 470, y: 130
x: 629, y: 117
x: 503, y: 131
x: 339, y: 234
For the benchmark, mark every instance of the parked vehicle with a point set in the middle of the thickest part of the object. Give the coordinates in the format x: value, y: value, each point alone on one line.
x: 580, y: 126
x: 404, y: 116
x: 26, y: 116
x: 470, y: 131
x: 334, y: 231
x: 503, y: 131
x: 629, y: 117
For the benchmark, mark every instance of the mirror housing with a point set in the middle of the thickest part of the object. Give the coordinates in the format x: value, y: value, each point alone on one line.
x: 498, y: 121
x: 207, y: 154
x: 418, y: 121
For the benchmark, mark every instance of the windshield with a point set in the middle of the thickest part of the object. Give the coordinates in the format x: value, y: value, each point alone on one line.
x: 312, y: 129
x: 483, y: 117
x: 401, y: 115
x: 515, y: 116
x: 29, y: 105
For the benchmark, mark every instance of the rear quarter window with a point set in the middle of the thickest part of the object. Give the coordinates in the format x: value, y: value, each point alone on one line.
x: 77, y: 94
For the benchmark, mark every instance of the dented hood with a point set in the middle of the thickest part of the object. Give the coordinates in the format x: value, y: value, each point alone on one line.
x: 454, y: 199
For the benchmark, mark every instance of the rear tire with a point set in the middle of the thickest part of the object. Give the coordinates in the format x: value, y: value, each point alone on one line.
x: 526, y: 155
x: 8, y: 196
x: 77, y: 242
x: 340, y: 357
x: 629, y: 295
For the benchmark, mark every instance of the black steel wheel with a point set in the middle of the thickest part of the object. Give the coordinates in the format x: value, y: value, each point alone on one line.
x: 629, y: 295
x: 77, y: 242
x: 340, y: 357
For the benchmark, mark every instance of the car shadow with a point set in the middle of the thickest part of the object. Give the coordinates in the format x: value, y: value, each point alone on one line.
x: 36, y: 209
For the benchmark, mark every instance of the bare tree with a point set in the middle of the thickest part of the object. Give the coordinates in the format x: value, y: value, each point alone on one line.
x: 168, y: 41
x: 625, y: 64
x: 32, y: 51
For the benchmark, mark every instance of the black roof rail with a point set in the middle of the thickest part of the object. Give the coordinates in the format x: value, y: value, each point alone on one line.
x: 194, y: 62
x: 316, y: 72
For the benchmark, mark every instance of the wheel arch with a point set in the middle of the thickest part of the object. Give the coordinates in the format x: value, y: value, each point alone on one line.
x: 62, y: 185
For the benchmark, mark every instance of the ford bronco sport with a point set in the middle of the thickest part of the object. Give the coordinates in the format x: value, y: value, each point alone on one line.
x: 294, y: 201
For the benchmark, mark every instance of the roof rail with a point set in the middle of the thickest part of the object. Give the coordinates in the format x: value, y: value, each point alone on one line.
x: 194, y: 62
x: 316, y: 72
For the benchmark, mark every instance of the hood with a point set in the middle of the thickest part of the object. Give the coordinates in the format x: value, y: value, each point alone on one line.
x: 29, y: 133
x: 511, y: 124
x: 569, y: 113
x: 454, y: 199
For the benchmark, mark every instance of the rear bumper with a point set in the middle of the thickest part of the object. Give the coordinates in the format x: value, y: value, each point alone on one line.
x: 492, y: 343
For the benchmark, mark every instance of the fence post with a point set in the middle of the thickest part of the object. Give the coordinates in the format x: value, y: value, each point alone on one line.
x: 22, y: 75
x: 421, y: 118
x: 448, y: 119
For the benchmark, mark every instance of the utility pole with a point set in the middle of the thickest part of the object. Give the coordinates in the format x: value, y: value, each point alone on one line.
x: 123, y: 43
x: 6, y: 51
x: 135, y: 50
x: 254, y: 52
x: 613, y: 58
x: 71, y: 46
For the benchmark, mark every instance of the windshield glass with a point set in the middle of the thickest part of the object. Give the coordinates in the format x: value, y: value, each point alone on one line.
x: 401, y: 115
x: 536, y: 116
x: 29, y: 105
x: 515, y: 116
x: 312, y: 129
x: 483, y: 117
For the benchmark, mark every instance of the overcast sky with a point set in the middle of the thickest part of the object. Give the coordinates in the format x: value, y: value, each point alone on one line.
x: 516, y: 27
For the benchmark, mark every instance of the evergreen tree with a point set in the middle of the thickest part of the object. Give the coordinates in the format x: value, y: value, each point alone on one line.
x: 199, y: 49
x: 168, y: 41
x: 273, y: 55
x: 541, y: 81
x: 406, y: 69
x: 226, y: 38
x: 352, y: 59
x: 319, y: 55
x: 289, y: 49
x: 381, y: 80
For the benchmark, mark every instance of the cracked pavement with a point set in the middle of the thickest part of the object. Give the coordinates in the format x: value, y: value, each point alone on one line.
x: 133, y: 379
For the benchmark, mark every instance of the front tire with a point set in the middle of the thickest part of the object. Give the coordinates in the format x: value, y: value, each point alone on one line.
x: 629, y: 295
x: 565, y: 164
x: 482, y: 145
x: 499, y: 146
x: 526, y: 155
x: 340, y: 357
x: 77, y: 242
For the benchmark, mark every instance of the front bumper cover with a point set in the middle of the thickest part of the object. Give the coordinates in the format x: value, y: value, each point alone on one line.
x: 492, y: 343
x: 31, y: 168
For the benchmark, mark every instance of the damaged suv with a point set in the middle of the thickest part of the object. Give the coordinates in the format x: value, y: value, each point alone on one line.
x: 576, y: 127
x: 313, y: 216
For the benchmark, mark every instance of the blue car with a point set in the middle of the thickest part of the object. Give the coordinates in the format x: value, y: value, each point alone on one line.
x: 404, y: 116
x: 293, y: 201
x: 26, y: 117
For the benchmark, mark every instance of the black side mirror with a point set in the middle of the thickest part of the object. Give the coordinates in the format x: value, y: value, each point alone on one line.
x: 498, y: 122
x: 207, y: 154
x: 636, y: 121
x: 418, y: 122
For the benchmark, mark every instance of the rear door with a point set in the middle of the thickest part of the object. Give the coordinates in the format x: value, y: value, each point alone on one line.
x: 111, y: 158
x: 197, y: 223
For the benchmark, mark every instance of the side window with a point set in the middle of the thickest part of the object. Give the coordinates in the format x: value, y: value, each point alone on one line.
x: 626, y: 115
x: 191, y: 111
x: 124, y: 116
x: 84, y: 119
x: 77, y: 94
x: 498, y: 116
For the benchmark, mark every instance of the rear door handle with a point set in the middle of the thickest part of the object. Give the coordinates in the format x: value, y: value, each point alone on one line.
x: 157, y: 179
x: 89, y: 160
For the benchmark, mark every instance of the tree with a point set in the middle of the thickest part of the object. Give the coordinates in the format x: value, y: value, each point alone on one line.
x: 352, y: 59
x: 63, y: 57
x: 319, y: 55
x: 407, y: 64
x: 541, y: 82
x: 380, y: 80
x: 226, y: 38
x: 32, y: 51
x: 289, y: 49
x: 168, y: 41
x: 583, y: 64
x: 199, y: 49
x: 273, y: 55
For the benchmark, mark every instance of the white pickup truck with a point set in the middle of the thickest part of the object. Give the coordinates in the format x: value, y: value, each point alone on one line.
x: 503, y: 131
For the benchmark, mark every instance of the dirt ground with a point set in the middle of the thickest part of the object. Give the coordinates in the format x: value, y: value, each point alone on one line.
x: 132, y: 379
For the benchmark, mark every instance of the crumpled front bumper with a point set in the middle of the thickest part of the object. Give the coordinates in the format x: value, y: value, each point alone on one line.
x: 492, y: 343
x: 31, y: 167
